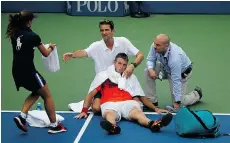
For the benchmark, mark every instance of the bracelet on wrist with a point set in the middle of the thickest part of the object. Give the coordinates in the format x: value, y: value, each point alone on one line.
x: 134, y: 64
x: 85, y: 110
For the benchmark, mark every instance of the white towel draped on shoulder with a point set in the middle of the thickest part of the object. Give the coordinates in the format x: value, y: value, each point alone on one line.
x: 130, y: 85
x: 51, y: 62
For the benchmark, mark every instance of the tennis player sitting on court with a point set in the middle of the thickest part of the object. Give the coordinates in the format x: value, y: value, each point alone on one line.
x: 117, y: 98
x: 103, y: 53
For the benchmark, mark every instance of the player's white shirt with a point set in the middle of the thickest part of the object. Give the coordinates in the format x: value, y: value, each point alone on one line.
x: 104, y: 57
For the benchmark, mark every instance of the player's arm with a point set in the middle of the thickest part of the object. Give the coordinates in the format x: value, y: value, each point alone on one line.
x: 36, y: 42
x: 151, y: 62
x: 80, y: 54
x: 175, y: 67
x: 135, y: 63
x: 88, y: 52
x: 86, y: 105
x: 132, y: 51
x: 46, y: 52
x: 88, y: 99
x: 139, y: 58
x: 150, y: 105
x: 147, y: 103
x: 75, y: 54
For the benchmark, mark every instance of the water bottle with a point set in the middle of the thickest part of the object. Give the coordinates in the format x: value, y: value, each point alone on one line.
x: 39, y: 106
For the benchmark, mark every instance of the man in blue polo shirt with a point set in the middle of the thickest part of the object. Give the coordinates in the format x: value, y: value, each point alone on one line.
x: 166, y: 60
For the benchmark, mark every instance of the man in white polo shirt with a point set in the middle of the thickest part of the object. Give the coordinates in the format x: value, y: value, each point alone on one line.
x: 103, y: 53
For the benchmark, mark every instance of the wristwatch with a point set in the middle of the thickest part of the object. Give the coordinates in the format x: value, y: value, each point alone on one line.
x: 134, y: 64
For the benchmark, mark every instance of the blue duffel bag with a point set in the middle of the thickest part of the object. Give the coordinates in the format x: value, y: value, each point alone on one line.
x: 196, y: 124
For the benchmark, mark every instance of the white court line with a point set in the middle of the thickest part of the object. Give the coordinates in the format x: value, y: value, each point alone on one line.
x: 154, y: 113
x: 56, y: 111
x: 151, y: 113
x: 83, y: 128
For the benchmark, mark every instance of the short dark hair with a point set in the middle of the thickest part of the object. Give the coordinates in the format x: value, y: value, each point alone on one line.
x: 109, y: 22
x: 123, y: 56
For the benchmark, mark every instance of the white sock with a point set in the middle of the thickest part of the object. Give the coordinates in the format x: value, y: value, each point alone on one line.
x: 53, y: 124
x: 23, y: 115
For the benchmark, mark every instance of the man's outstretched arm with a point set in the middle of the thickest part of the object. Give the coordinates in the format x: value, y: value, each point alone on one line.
x: 76, y: 54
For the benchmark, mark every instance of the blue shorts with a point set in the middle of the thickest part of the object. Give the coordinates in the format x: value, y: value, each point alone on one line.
x: 32, y: 81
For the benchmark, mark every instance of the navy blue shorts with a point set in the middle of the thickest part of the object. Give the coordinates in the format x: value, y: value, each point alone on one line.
x: 31, y: 81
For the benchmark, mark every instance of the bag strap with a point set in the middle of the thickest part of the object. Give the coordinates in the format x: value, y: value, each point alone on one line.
x: 226, y: 134
x: 197, y: 135
x: 202, y: 123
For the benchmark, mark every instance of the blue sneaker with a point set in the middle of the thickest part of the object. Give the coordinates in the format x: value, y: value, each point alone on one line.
x: 21, y: 123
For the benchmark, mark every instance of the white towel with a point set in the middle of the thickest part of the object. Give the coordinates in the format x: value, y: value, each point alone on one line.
x: 130, y: 85
x: 76, y: 107
x: 122, y: 83
x: 51, y: 62
x: 116, y: 77
x: 40, y: 119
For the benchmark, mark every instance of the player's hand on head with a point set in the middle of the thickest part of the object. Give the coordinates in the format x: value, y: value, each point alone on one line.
x: 67, y: 56
x: 128, y: 71
x: 81, y: 115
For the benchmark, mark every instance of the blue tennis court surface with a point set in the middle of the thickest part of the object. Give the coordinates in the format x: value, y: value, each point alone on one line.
x: 89, y: 130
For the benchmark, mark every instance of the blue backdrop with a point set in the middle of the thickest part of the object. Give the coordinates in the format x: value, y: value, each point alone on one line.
x: 118, y: 8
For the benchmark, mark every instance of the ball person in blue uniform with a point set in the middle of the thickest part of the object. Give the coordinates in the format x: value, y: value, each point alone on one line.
x: 24, y: 41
